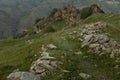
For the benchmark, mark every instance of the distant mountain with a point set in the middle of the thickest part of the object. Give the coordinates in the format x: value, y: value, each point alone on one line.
x: 18, y: 15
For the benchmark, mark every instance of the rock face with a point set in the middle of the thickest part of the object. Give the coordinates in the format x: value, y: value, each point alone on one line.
x: 23, y: 76
x: 70, y: 14
x: 98, y: 41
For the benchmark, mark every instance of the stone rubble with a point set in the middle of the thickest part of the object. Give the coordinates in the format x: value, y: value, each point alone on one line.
x: 78, y: 53
x: 44, y: 65
x: 85, y: 76
x: 39, y: 68
x: 66, y: 71
x: 97, y: 41
x: 51, y: 46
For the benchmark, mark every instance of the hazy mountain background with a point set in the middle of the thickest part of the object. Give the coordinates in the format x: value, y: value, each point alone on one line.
x: 19, y: 15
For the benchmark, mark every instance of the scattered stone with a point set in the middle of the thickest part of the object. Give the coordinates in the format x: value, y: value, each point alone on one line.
x: 37, y: 29
x: 35, y: 55
x: 101, y: 54
x: 74, y: 32
x: 78, y: 53
x: 39, y: 68
x: 70, y: 33
x: 66, y: 71
x: 118, y: 73
x: 96, y: 65
x: 112, y: 55
x: 44, y: 65
x: 62, y: 57
x: 43, y: 48
x: 51, y: 46
x: 30, y: 41
x: 117, y: 60
x: 63, y: 38
x: 80, y: 39
x: 73, y: 37
x: 116, y: 67
x: 70, y: 50
x: 23, y: 76
x: 85, y: 76
x: 85, y: 57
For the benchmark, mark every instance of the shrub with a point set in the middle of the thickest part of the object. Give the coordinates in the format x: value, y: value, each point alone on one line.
x: 85, y: 12
x: 20, y: 35
x: 53, y: 12
x: 48, y: 29
x: 37, y: 20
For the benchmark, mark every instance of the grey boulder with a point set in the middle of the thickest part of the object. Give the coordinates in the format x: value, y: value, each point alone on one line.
x: 23, y: 76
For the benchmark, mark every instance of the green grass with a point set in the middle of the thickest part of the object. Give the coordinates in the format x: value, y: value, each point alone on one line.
x: 100, y: 68
x: 19, y: 53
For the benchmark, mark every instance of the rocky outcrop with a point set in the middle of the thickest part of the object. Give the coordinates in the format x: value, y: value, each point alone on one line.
x: 96, y: 9
x: 99, y: 42
x: 44, y: 65
x: 70, y: 14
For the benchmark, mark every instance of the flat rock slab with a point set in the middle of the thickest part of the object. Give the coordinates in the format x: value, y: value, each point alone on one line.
x: 23, y: 76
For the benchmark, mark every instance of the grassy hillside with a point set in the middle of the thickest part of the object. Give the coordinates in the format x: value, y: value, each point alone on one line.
x: 20, y: 53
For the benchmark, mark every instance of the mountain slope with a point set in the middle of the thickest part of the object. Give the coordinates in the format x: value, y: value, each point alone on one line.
x: 18, y: 15
x: 26, y: 50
